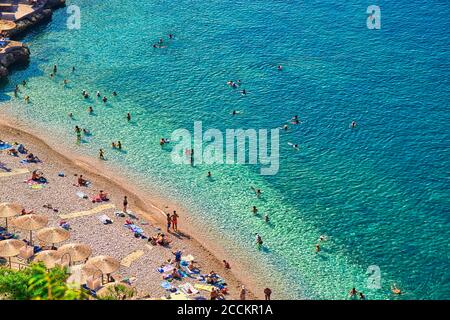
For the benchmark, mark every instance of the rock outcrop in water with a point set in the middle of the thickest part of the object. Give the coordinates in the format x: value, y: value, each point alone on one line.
x: 16, y: 52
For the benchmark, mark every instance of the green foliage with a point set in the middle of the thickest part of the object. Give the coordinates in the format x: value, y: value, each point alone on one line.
x: 38, y: 283
x: 118, y: 292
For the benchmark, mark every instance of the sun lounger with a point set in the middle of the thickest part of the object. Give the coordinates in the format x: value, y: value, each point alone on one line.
x: 129, y: 259
x: 105, y: 219
x: 14, y: 172
x: 88, y: 212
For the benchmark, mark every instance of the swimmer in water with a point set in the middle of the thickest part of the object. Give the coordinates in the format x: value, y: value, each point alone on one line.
x: 86, y: 132
x: 114, y: 93
x: 280, y: 67
x: 24, y: 83
x: 55, y: 69
x: 73, y: 69
x: 66, y: 81
x: 255, y: 210
x: 128, y: 117
x: 209, y: 175
x: 243, y: 92
x: 105, y: 99
x: 295, y: 120
x: 317, y: 248
x: 170, y: 36
x: 322, y: 238
x: 353, y: 124
x: 395, y: 290
x: 70, y: 115
x: 51, y: 75
x: 266, y: 218
x: 259, y: 240
x: 353, y: 293
x: 294, y: 145
x: 285, y: 127
x: 27, y: 99
x: 119, y: 145
x: 91, y: 110
x: 258, y: 192
x: 98, y: 94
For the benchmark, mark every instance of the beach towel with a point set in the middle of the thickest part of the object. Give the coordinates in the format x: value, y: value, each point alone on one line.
x: 166, y: 285
x: 87, y: 213
x: 105, y: 219
x: 4, y: 146
x: 82, y: 195
x: 205, y: 287
x: 129, y: 259
x: 166, y: 268
x: 188, y: 289
x: 13, y: 172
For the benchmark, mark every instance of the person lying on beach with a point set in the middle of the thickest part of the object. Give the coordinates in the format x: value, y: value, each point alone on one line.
x: 21, y: 148
x: 176, y: 274
x: 13, y: 152
x: 38, y: 176
x: 100, y: 197
x: 226, y: 264
x: 160, y: 239
x: 64, y: 225
x: 81, y: 182
x: 24, y: 212
x: 212, y: 278
x: 216, y: 294
x: 32, y: 158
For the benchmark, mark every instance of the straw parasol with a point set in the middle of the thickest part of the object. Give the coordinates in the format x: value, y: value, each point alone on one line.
x: 10, y: 248
x: 53, y: 235
x: 6, y: 25
x: 8, y: 210
x: 30, y: 222
x: 105, y: 264
x: 76, y: 251
x: 50, y: 258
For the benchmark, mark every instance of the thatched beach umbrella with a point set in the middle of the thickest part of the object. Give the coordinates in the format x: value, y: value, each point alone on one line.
x: 30, y: 222
x: 53, y: 235
x: 105, y: 264
x: 50, y: 258
x: 6, y: 25
x: 10, y: 248
x: 75, y: 251
x: 8, y: 210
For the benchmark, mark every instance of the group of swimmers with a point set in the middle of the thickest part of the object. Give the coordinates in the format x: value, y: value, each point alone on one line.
x: 160, y: 44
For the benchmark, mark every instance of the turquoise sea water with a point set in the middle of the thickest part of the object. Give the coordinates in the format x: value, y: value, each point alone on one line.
x: 379, y: 192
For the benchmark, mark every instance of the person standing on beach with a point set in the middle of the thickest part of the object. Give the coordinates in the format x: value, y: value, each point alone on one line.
x: 125, y: 204
x: 78, y: 131
x: 101, y: 154
x: 175, y: 221
x: 177, y: 255
x: 243, y: 293
x: 267, y: 293
x: 169, y: 221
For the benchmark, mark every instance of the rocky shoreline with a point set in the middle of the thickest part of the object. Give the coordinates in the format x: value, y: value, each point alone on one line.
x: 19, y: 53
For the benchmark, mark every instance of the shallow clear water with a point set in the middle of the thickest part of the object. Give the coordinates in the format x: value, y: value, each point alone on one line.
x: 379, y: 192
